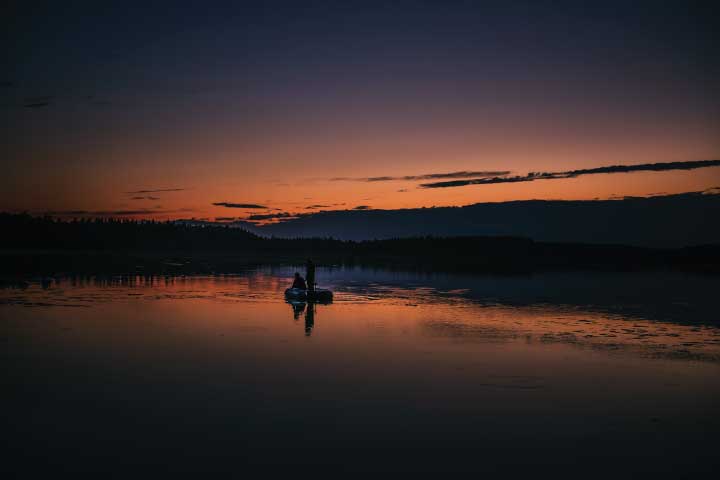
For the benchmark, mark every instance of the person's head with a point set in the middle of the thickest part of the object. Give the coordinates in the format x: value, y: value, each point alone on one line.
x: 297, y: 274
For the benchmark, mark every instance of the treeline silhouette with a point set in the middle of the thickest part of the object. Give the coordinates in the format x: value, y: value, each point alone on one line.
x: 26, y: 231
x: 46, y: 245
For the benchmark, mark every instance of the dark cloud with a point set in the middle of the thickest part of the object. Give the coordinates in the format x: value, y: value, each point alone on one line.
x: 238, y: 205
x: 313, y: 207
x: 158, y: 190
x: 271, y: 216
x: 145, y: 198
x: 94, y: 100
x: 36, y: 102
x: 427, y: 176
x: 47, y: 100
x: 383, y: 179
x: 362, y: 207
x: 402, y: 190
x: 532, y: 176
x: 226, y: 219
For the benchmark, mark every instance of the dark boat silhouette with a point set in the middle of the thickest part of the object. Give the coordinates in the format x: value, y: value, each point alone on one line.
x: 314, y: 296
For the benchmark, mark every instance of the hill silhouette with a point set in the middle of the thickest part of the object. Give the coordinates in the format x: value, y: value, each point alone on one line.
x: 667, y: 221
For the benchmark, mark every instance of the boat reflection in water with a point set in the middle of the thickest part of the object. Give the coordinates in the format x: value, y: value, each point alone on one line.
x: 301, y: 307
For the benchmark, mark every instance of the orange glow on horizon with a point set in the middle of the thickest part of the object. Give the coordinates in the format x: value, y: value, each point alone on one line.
x: 293, y: 173
x: 323, y: 194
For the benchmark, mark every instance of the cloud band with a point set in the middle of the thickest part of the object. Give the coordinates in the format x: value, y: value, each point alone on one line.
x: 532, y: 176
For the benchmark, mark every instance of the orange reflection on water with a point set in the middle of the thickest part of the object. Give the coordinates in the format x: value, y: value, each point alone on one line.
x: 395, y: 361
x: 253, y: 303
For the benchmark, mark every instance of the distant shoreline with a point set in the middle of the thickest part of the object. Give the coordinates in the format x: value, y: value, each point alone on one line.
x: 465, y: 254
x: 44, y: 246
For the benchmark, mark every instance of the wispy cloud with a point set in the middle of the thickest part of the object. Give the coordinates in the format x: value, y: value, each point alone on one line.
x: 362, y: 207
x: 271, y: 216
x: 157, y: 190
x: 532, y: 176
x: 145, y: 198
x: 427, y: 176
x: 239, y: 205
x: 36, y: 102
x: 314, y: 207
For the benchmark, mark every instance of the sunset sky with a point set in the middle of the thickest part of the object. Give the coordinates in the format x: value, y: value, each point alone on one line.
x: 223, y: 111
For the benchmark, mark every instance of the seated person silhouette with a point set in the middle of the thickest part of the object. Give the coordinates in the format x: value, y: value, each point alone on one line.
x: 299, y: 282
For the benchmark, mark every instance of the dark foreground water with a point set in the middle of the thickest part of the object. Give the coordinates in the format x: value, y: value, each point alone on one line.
x: 561, y: 374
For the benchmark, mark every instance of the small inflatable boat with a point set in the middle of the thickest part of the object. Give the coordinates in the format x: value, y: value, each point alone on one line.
x: 319, y: 295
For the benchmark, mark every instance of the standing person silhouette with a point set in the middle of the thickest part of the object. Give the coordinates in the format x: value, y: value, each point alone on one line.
x: 310, y: 275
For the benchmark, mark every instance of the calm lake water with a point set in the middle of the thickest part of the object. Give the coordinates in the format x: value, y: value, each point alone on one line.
x: 563, y: 373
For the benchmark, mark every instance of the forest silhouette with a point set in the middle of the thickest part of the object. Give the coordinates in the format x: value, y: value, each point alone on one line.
x: 49, y: 245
